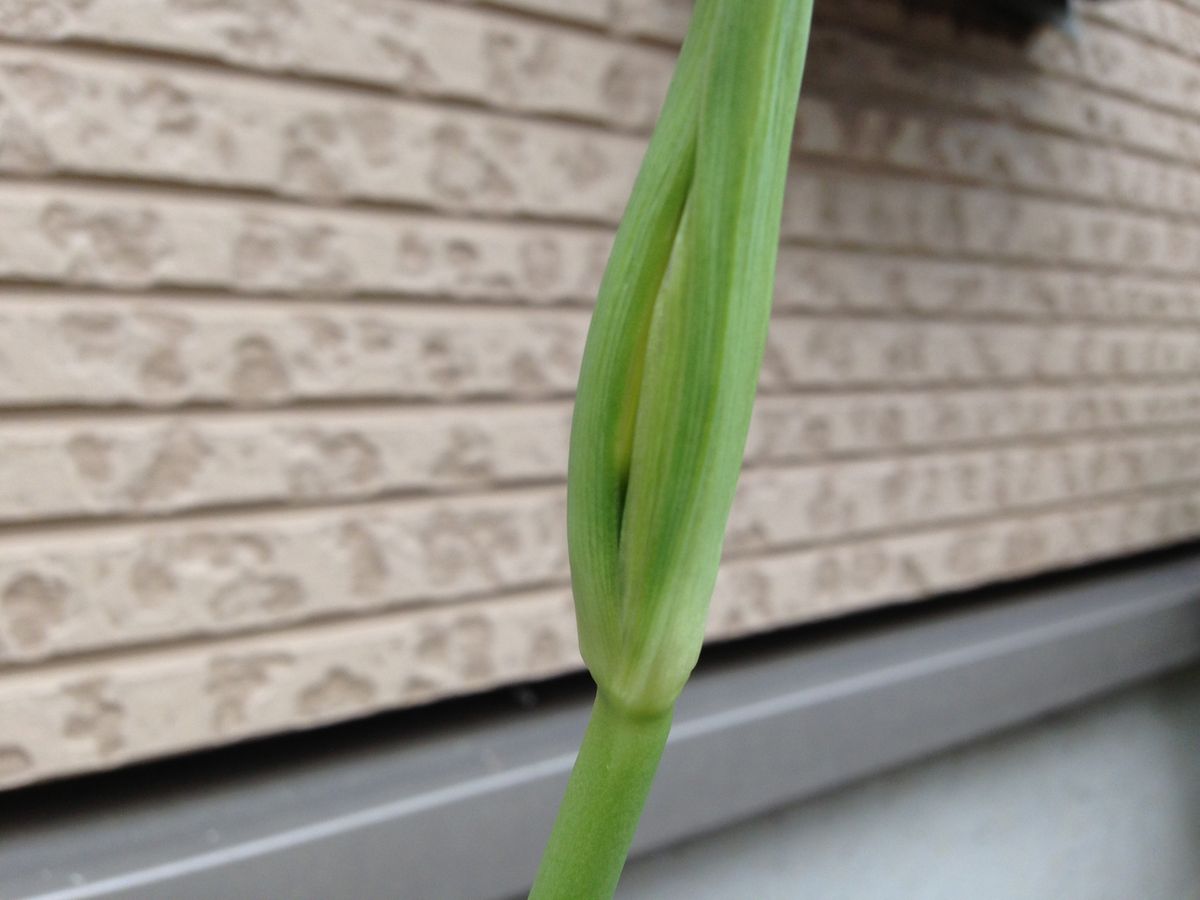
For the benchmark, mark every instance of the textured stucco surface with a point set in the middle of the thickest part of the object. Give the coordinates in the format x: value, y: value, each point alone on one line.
x: 292, y: 295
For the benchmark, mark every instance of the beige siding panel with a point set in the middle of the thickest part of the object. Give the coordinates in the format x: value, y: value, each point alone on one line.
x: 143, y: 239
x: 429, y: 49
x: 144, y: 583
x: 113, y: 119
x: 1165, y: 24
x: 293, y: 296
x: 146, y: 241
x: 56, y: 353
x: 110, y: 711
x: 139, y: 466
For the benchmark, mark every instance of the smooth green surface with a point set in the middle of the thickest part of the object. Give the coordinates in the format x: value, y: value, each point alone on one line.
x: 674, y: 350
x: 610, y: 378
x: 604, y: 799
x: 665, y: 393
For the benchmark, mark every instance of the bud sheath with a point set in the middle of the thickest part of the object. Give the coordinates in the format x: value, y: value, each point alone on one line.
x: 663, y: 407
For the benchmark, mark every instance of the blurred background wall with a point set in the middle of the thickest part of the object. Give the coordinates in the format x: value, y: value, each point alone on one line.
x: 292, y: 295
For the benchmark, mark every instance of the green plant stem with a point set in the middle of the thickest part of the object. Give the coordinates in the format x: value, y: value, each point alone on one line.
x: 665, y: 393
x: 605, y: 795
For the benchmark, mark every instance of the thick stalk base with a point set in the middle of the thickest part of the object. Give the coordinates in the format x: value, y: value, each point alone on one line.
x: 604, y: 799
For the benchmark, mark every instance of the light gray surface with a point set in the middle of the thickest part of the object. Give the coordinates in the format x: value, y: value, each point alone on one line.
x: 1102, y: 803
x: 462, y: 811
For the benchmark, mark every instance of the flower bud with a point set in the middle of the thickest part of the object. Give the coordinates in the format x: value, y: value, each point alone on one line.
x: 674, y: 350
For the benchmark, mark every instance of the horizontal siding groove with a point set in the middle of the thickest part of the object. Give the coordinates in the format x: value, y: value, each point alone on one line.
x: 263, y: 197
x: 352, y: 303
x: 339, y: 305
x: 1151, y: 39
x: 847, y: 177
x: 193, y: 63
x: 760, y: 464
x: 1005, y: 261
x: 584, y: 16
x: 42, y: 422
x: 845, y: 163
x: 231, y: 643
x: 199, y: 196
x: 267, y: 201
x: 105, y: 410
x: 1184, y: 494
x: 849, y: 16
x: 1175, y: 141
